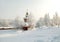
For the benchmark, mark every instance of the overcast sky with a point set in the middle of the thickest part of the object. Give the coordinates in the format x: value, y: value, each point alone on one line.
x: 9, y: 9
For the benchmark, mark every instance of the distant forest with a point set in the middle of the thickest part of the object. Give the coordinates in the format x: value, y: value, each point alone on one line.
x: 47, y: 21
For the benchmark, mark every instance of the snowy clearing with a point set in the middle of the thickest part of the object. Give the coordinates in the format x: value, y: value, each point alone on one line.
x: 43, y: 34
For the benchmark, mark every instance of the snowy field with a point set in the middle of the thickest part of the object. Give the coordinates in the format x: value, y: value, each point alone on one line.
x: 43, y: 34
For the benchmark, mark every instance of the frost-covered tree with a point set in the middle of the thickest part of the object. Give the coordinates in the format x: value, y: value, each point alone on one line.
x: 40, y: 22
x: 31, y: 18
x: 44, y: 21
x: 56, y: 20
x: 17, y: 22
x: 47, y: 20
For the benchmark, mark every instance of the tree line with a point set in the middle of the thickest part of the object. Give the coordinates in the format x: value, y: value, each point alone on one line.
x: 47, y: 21
x: 43, y: 21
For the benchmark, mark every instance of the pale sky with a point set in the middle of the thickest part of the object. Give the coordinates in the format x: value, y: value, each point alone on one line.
x: 9, y: 9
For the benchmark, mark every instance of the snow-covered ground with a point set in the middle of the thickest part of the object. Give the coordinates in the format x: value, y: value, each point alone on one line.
x: 42, y: 34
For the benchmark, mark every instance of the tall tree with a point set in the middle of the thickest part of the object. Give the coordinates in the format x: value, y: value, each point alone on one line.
x: 47, y: 19
x: 56, y: 19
